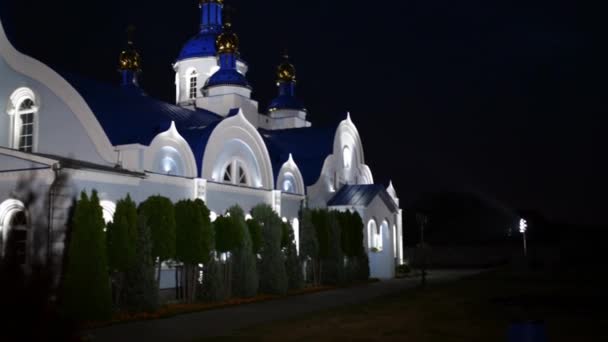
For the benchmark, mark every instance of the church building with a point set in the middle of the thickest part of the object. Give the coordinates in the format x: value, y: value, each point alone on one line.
x: 215, y: 143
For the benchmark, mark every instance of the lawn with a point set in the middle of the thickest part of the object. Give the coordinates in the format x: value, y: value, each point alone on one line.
x: 480, y: 308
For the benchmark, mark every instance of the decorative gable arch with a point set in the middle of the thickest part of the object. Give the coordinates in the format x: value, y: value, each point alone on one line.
x: 169, y: 153
x: 235, y: 138
x: 290, y: 178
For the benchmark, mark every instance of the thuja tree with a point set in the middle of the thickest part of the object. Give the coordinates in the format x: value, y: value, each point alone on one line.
x: 357, y: 264
x: 141, y: 289
x: 189, y: 244
x: 86, y: 287
x: 329, y: 235
x: 159, y: 214
x: 121, y: 238
x: 293, y: 264
x: 208, y: 241
x: 228, y: 238
x: 214, y: 286
x: 309, y: 245
x: 273, y: 277
x: 245, y: 280
x: 255, y: 231
x: 320, y: 221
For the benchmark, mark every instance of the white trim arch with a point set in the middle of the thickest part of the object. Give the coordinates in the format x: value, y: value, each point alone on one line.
x: 23, y: 116
x: 36, y: 70
x: 108, y: 209
x: 365, y: 175
x: 8, y: 209
x: 348, y: 135
x: 169, y: 153
x: 290, y: 178
x: 233, y: 138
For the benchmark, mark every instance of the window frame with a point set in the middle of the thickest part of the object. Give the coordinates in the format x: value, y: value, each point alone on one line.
x: 235, y: 173
x: 19, y: 114
x: 193, y: 85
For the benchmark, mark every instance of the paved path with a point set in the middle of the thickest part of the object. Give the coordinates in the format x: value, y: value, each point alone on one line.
x: 222, y: 322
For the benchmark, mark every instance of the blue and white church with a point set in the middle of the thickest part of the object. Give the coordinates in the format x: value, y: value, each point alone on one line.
x: 214, y: 143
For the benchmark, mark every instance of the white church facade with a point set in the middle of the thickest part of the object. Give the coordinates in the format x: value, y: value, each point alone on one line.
x: 214, y: 143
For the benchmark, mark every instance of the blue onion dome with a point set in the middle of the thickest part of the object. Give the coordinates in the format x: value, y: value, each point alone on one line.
x: 203, y: 44
x: 228, y: 50
x: 286, y: 81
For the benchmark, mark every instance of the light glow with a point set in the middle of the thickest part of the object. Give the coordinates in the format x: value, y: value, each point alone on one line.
x: 523, y: 226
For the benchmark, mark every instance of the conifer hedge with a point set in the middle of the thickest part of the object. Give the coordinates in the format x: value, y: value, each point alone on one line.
x: 86, y: 294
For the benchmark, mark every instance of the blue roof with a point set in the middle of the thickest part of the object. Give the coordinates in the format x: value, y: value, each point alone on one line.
x: 227, y: 77
x: 129, y: 116
x: 201, y: 45
x: 197, y: 138
x: 308, y: 146
x: 286, y: 102
x: 361, y: 195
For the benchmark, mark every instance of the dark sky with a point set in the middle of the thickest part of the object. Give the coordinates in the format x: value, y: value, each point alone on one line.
x: 501, y: 98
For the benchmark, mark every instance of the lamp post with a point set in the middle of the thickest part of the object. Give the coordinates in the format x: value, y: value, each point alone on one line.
x: 422, y: 220
x: 523, y: 226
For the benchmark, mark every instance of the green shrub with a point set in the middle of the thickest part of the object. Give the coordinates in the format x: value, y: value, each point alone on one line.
x: 403, y: 269
x: 309, y: 246
x: 160, y: 216
x: 245, y: 280
x: 332, y: 265
x: 121, y: 237
x: 141, y: 290
x: 215, y: 289
x: 86, y: 286
x: 273, y: 277
x: 255, y: 232
x: 293, y: 265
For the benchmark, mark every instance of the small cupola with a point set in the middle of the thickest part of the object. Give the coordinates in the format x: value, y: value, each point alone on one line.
x: 129, y: 62
x: 227, y: 44
x: 286, y: 82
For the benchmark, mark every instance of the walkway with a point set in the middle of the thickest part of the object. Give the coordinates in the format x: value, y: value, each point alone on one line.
x: 222, y: 322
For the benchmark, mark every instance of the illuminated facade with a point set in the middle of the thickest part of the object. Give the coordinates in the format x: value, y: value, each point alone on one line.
x: 215, y: 143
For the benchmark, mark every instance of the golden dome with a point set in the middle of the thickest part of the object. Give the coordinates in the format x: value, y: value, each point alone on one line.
x: 286, y: 72
x: 130, y: 59
x: 228, y: 41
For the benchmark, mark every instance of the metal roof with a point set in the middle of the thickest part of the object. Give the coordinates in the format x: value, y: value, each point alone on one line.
x: 361, y: 195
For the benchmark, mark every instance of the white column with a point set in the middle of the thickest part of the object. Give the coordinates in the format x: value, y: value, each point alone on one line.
x: 200, y: 189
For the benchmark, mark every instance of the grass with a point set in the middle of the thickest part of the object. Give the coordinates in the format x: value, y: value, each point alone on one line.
x: 480, y: 308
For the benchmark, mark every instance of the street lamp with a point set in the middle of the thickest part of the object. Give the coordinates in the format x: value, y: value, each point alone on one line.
x: 422, y: 221
x: 523, y: 226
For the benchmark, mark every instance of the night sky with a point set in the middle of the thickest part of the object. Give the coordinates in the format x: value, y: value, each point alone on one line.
x: 504, y: 99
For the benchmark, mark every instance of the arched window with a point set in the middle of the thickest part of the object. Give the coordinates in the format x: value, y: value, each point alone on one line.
x: 347, y: 157
x: 23, y: 111
x: 374, y: 235
x: 289, y: 183
x: 372, y: 228
x: 14, y: 226
x: 234, y: 173
x: 193, y: 84
x: 18, y: 232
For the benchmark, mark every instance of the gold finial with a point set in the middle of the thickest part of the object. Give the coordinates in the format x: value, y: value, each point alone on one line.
x: 129, y: 58
x: 228, y: 41
x: 201, y: 2
x: 286, y: 72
